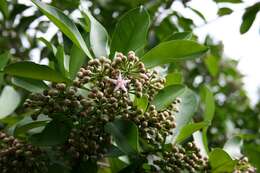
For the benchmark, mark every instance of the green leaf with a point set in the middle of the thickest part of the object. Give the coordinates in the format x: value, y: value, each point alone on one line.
x: 224, y: 11
x: 233, y: 147
x: 249, y: 17
x: 174, y: 78
x: 212, y: 64
x: 167, y: 95
x: 49, y: 45
x: 4, y: 58
x: 230, y: 1
x: 86, y: 166
x: 187, y: 130
x: 172, y: 51
x: 56, y: 132
x: 252, y: 151
x: 221, y: 162
x: 187, y: 107
x: 208, y: 99
x: 35, y: 86
x: 98, y: 37
x: 116, y: 165
x: 9, y: 101
x: 28, y: 123
x: 31, y: 70
x: 4, y: 8
x: 186, y: 35
x: 77, y: 59
x: 125, y: 134
x: 141, y: 103
x: 64, y: 23
x: 131, y: 31
x: 60, y: 61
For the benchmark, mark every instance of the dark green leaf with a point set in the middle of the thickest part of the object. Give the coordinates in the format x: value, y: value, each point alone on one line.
x: 221, y: 162
x: 125, y: 134
x: 98, y: 37
x: 49, y: 45
x: 116, y: 165
x: 224, y: 11
x: 64, y: 23
x: 180, y: 36
x: 9, y: 101
x: 198, y: 13
x: 77, y: 59
x: 86, y: 166
x: 249, y: 17
x: 167, y: 95
x: 187, y: 130
x: 230, y: 1
x: 4, y: 58
x: 4, y: 8
x: 56, y: 132
x: 131, y: 31
x: 172, y: 51
x: 252, y: 151
x: 35, y: 86
x: 60, y: 61
x: 31, y: 70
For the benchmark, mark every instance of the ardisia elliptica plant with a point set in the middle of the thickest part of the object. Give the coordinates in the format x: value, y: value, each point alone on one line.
x: 117, y: 114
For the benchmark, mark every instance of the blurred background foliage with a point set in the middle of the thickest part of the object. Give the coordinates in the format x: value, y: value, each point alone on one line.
x: 21, y: 25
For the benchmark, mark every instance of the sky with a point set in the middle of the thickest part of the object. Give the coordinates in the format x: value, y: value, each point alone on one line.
x: 244, y: 48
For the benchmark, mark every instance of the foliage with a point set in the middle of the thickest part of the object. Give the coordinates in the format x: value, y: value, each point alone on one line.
x: 71, y: 138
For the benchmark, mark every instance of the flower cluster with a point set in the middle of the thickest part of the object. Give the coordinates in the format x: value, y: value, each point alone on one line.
x: 243, y: 166
x: 17, y: 156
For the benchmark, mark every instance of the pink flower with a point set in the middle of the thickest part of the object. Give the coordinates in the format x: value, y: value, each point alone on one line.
x: 120, y: 83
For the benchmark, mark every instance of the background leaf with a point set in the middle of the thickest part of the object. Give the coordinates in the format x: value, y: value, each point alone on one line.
x: 131, y: 31
x: 172, y: 51
x: 77, y: 59
x: 249, y: 17
x: 224, y: 11
x: 35, y: 86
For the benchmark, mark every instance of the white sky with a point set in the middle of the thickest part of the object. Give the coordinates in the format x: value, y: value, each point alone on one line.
x: 245, y: 48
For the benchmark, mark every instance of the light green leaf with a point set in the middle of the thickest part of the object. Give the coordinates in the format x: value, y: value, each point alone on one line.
x: 60, y: 61
x: 31, y: 70
x: 98, y: 37
x: 131, y: 31
x: 187, y: 130
x: 125, y: 134
x: 212, y: 64
x: 141, y: 103
x: 172, y: 51
x: 35, y: 86
x: 221, y: 162
x: 174, y: 78
x: 64, y: 23
x: 167, y: 95
x: 208, y: 99
x: 4, y: 8
x: 186, y: 35
x: 9, y: 101
x: 77, y: 59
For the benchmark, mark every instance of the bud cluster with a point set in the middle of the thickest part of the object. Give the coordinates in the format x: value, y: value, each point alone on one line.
x: 243, y: 166
x: 182, y: 158
x: 16, y: 156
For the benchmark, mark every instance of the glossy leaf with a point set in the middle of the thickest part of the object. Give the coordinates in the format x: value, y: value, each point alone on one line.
x: 221, y: 162
x: 77, y: 59
x: 233, y: 147
x: 9, y: 101
x: 125, y: 134
x: 249, y: 17
x: 187, y: 130
x: 167, y: 95
x: 98, y: 37
x: 35, y: 86
x: 224, y: 11
x: 56, y: 132
x: 31, y: 70
x: 172, y: 51
x: 131, y: 31
x: 64, y: 23
x: 187, y: 108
